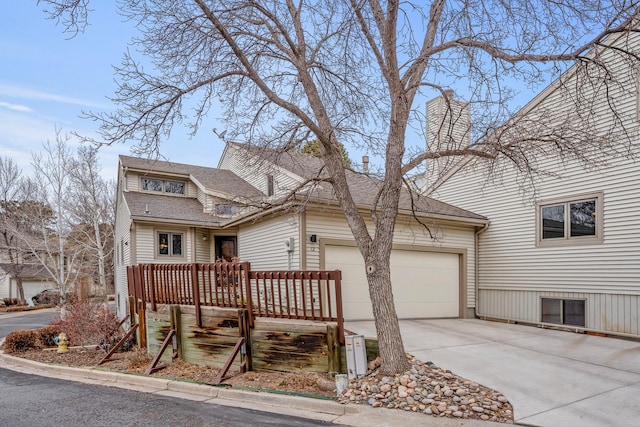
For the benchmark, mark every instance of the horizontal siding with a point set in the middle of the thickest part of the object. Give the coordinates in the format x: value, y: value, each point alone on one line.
x: 145, y: 244
x: 203, y: 249
x: 255, y: 172
x: 122, y: 241
x: 332, y: 225
x: 613, y: 313
x: 513, y: 273
x: 262, y: 243
x: 5, y: 286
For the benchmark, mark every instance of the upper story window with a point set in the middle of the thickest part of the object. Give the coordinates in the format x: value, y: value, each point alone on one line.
x: 570, y: 221
x: 169, y: 244
x: 226, y: 209
x: 163, y: 185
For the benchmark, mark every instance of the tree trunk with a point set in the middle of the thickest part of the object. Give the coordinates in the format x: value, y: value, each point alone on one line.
x: 393, y: 359
x: 20, y: 289
x: 102, y: 276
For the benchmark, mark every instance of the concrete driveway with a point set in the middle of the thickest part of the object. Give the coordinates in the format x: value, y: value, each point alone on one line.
x: 552, y: 378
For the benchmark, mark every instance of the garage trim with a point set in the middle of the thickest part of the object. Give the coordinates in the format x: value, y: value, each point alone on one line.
x: 462, y: 263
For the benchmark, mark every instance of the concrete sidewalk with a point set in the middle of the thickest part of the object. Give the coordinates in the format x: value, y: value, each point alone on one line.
x: 552, y: 378
x: 325, y: 410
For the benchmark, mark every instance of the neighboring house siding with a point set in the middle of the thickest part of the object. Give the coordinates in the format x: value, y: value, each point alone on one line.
x: 262, y: 243
x: 333, y: 226
x: 5, y: 286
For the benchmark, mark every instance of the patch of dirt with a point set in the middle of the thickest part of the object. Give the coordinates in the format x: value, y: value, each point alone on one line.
x: 136, y: 361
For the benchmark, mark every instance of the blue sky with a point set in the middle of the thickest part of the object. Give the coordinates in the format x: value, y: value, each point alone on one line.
x: 47, y: 80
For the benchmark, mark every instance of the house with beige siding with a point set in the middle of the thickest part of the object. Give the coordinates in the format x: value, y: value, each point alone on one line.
x: 563, y: 250
x: 35, y: 279
x: 262, y: 207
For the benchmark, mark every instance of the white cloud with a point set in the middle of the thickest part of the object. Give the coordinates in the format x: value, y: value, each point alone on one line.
x: 16, y: 91
x: 16, y: 107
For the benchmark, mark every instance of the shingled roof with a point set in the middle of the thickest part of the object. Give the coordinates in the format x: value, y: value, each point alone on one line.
x: 26, y: 271
x: 220, y: 180
x: 364, y: 188
x: 156, y: 207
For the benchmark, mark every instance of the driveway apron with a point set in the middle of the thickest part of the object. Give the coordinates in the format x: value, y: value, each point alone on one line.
x: 551, y: 377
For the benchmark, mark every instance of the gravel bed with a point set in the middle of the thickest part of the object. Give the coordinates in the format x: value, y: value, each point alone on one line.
x: 430, y: 390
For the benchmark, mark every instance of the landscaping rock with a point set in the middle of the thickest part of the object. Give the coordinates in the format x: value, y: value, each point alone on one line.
x: 430, y: 390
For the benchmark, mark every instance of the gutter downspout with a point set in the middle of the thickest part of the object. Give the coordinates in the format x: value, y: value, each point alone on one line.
x: 476, y: 278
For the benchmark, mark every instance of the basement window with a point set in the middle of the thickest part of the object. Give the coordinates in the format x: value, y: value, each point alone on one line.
x: 559, y: 311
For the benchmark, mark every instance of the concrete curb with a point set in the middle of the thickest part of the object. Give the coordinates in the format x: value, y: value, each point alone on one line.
x: 353, y: 415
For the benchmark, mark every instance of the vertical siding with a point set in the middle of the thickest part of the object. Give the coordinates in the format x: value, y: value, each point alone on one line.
x: 612, y: 313
x: 262, y: 243
x: 332, y: 225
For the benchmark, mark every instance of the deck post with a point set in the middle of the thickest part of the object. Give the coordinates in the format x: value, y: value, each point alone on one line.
x: 195, y: 283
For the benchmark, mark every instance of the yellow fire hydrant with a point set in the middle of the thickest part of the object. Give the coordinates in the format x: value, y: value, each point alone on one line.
x: 63, y: 342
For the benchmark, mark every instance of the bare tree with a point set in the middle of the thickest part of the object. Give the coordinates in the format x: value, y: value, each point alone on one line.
x: 358, y: 72
x: 92, y: 204
x: 12, y: 250
x: 51, y: 187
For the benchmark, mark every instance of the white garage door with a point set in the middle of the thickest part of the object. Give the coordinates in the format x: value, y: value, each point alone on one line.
x: 425, y: 284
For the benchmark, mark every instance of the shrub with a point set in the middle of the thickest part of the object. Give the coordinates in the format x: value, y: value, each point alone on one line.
x: 47, y: 335
x: 87, y: 323
x: 139, y: 358
x: 20, y: 340
x: 11, y: 301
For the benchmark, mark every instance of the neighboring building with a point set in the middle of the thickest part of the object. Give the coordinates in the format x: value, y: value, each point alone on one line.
x: 567, y: 250
x: 35, y: 279
x: 257, y: 205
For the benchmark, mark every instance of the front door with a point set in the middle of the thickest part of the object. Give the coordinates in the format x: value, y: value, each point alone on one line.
x: 226, y: 248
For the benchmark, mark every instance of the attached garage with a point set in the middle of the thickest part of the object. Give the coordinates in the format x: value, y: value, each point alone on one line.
x: 426, y: 284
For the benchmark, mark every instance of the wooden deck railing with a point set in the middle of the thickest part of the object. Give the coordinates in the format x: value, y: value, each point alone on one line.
x: 306, y: 295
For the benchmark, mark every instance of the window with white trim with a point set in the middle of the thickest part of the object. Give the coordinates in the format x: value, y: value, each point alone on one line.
x: 569, y: 221
x: 162, y: 185
x: 169, y: 244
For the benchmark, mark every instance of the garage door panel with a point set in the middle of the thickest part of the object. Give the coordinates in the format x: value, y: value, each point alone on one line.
x: 425, y: 284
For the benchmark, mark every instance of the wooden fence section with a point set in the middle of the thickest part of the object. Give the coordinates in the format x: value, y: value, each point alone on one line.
x: 302, y: 295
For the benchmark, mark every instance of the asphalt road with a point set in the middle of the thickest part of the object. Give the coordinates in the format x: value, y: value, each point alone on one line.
x: 30, y: 400
x: 25, y: 320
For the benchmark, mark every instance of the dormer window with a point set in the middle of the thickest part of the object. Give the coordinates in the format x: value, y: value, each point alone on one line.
x: 226, y: 209
x: 163, y: 186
